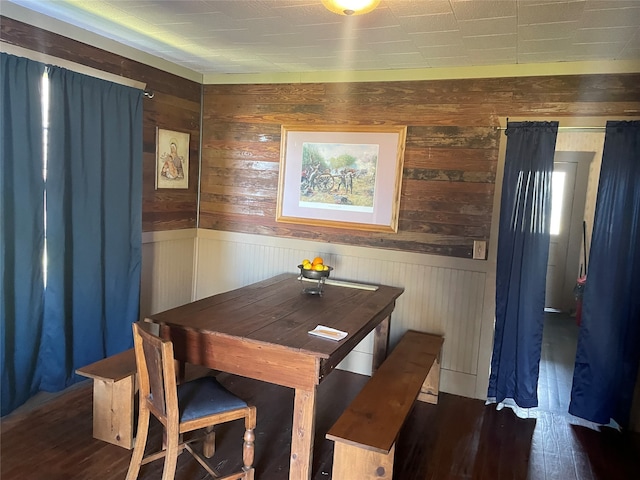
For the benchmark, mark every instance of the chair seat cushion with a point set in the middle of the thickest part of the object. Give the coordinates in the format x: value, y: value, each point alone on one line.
x: 205, y: 396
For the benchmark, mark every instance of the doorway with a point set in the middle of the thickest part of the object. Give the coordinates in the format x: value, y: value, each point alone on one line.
x: 579, y: 136
x: 569, y: 193
x: 565, y: 264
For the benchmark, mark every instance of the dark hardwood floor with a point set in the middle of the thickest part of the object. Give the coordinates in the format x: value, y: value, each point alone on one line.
x: 557, y: 361
x: 460, y: 438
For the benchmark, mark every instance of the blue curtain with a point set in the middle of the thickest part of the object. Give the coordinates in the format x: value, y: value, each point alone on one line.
x: 21, y: 228
x: 94, y: 219
x: 93, y: 203
x: 608, y: 345
x: 523, y: 250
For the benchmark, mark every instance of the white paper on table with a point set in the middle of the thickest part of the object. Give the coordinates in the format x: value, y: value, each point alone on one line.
x: 328, y: 332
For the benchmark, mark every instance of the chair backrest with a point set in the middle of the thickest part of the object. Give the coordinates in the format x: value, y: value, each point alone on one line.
x: 156, y: 373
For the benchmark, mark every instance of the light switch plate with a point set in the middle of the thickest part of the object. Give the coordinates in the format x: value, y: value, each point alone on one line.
x: 479, y: 249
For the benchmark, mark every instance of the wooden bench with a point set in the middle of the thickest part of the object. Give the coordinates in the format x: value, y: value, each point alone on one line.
x: 114, y: 389
x: 366, y: 433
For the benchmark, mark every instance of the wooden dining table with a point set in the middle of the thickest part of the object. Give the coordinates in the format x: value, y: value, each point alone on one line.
x: 261, y: 331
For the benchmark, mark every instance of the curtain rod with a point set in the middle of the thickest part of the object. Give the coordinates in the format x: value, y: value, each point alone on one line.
x: 73, y: 66
x: 594, y: 129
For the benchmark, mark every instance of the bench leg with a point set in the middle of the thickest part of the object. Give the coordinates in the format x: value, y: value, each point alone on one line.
x: 113, y: 411
x: 351, y: 462
x: 431, y: 386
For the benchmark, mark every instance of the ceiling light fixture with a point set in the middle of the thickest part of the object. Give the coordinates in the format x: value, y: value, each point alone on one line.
x: 350, y: 7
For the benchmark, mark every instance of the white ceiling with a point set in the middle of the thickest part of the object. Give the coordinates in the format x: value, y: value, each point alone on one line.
x: 262, y: 36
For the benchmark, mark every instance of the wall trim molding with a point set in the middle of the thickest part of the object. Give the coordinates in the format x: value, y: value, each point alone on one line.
x: 168, y: 235
x: 455, y: 263
x: 73, y: 66
x: 434, y: 73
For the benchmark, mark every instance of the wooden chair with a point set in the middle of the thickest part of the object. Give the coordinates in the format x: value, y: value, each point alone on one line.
x: 200, y: 403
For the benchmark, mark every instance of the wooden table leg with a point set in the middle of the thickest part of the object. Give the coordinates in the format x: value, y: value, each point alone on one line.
x: 303, y: 430
x: 380, y: 344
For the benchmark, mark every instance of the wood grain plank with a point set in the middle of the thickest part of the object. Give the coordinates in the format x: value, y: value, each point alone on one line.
x: 374, y: 419
x: 303, y: 431
x: 115, y: 367
x: 456, y: 439
x: 451, y: 134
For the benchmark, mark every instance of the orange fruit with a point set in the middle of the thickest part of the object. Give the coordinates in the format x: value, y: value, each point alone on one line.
x: 317, y: 261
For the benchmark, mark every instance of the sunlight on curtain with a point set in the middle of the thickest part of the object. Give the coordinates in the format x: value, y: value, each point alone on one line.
x: 94, y: 224
x: 45, y: 134
x: 71, y: 223
x: 523, y: 249
x: 21, y: 228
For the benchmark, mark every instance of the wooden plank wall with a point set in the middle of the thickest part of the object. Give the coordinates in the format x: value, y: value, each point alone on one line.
x: 451, y: 150
x: 450, y: 158
x: 175, y: 106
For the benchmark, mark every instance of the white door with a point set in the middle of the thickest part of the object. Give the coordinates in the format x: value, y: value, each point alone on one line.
x: 570, y: 175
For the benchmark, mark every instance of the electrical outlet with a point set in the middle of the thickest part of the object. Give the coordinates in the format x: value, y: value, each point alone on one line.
x: 479, y: 249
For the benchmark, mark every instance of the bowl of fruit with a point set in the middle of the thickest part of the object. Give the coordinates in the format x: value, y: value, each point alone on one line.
x: 314, y: 269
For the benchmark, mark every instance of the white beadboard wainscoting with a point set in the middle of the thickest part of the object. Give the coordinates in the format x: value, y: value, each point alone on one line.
x: 442, y: 295
x: 448, y: 296
x: 167, y: 270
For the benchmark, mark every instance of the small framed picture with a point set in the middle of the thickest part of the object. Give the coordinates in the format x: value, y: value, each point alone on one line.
x: 172, y: 159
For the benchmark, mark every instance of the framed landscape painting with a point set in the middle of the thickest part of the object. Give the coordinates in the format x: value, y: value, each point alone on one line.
x: 345, y: 177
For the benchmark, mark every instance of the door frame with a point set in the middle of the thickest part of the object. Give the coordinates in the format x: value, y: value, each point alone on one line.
x: 576, y: 211
x: 487, y: 327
